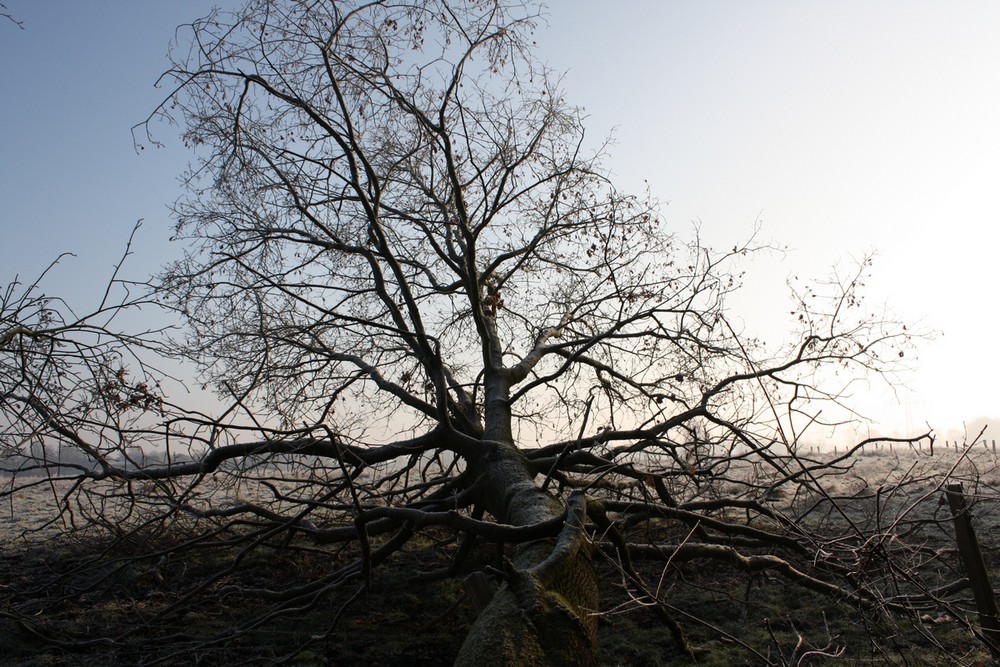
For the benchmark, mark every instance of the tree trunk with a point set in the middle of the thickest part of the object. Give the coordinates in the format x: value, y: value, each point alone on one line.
x: 543, y: 614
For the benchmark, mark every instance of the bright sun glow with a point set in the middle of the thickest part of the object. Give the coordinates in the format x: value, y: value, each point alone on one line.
x: 843, y: 128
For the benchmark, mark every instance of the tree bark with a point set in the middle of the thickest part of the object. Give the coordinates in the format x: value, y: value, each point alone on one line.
x: 544, y: 613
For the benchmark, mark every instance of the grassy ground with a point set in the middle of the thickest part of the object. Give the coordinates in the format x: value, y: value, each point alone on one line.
x: 80, y: 602
x: 405, y: 618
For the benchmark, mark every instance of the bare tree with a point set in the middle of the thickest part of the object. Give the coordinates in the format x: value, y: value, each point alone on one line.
x: 65, y: 376
x: 4, y: 13
x: 422, y: 302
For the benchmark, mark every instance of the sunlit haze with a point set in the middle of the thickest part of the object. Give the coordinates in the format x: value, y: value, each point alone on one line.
x: 837, y: 128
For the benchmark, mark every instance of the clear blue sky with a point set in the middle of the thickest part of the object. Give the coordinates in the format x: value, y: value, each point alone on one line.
x: 72, y: 84
x: 847, y: 126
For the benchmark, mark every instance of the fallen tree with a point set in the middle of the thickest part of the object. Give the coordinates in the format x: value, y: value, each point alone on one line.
x: 422, y: 303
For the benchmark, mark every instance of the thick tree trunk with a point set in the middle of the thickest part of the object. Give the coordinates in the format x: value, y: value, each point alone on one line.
x: 543, y: 614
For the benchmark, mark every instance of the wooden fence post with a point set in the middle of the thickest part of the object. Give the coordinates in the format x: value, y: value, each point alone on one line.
x: 975, y: 568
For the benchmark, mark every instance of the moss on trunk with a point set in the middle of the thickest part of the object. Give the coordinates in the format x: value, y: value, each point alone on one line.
x: 543, y: 614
